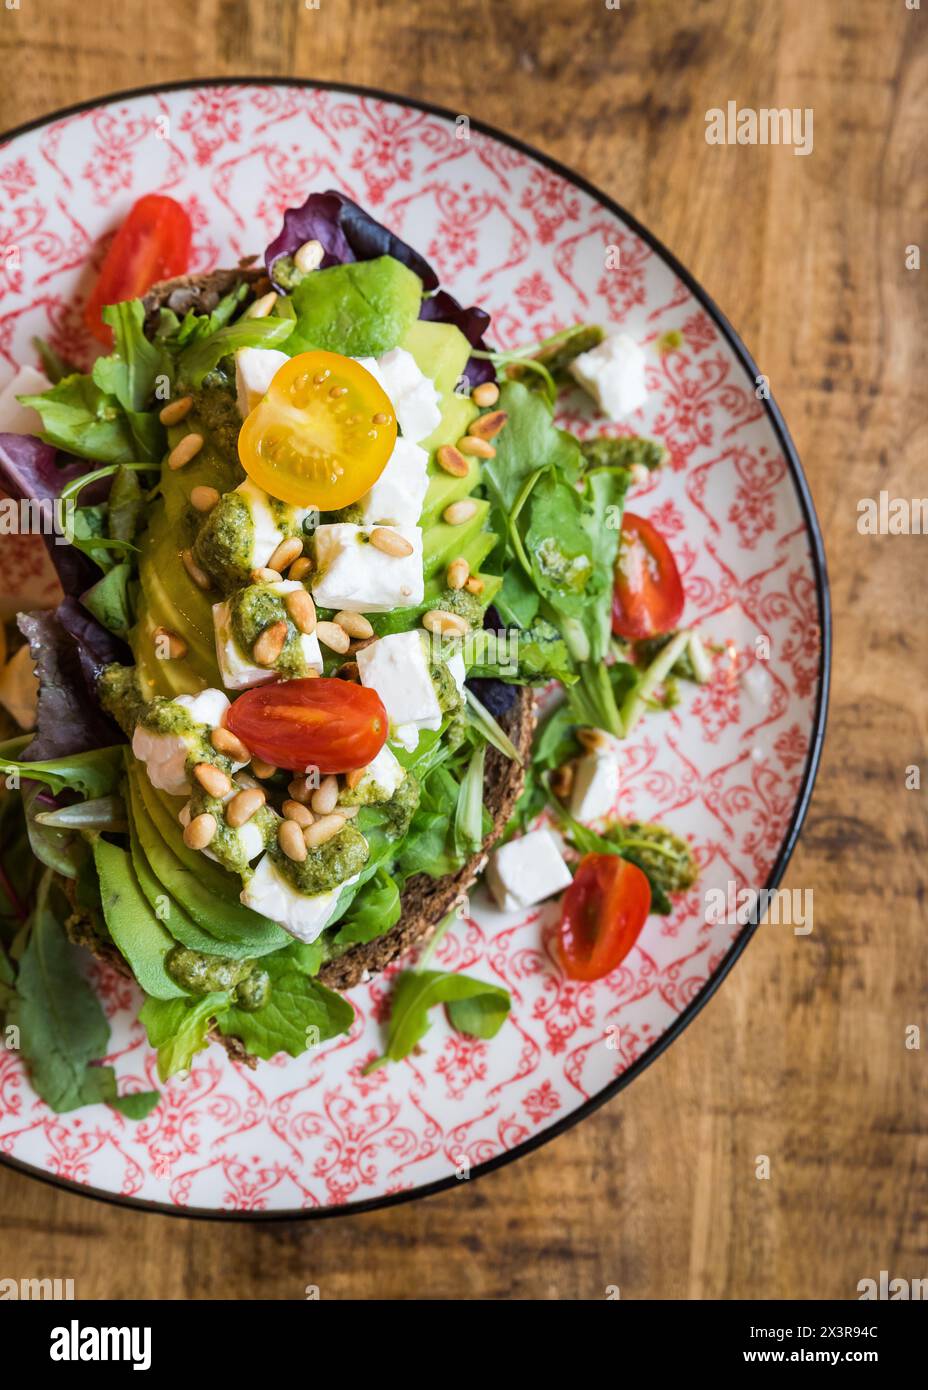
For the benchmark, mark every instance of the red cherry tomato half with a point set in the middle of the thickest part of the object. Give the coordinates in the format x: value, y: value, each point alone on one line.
x: 321, y: 722
x: 648, y: 595
x: 602, y: 915
x: 152, y: 244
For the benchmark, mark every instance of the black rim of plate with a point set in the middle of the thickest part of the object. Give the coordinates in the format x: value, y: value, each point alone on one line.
x: 817, y: 550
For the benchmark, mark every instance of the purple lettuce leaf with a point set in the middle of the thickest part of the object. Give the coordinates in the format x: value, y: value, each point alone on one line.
x: 69, y: 649
x: 33, y: 471
x: 348, y: 233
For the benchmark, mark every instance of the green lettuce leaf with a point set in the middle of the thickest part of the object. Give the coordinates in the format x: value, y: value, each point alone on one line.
x: 475, y: 1007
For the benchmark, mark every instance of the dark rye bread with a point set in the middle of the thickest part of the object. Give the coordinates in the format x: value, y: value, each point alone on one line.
x: 425, y: 900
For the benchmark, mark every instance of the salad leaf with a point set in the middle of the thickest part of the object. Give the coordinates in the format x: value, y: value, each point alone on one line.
x: 469, y: 814
x: 530, y: 443
x: 30, y: 468
x: 374, y: 911
x: 346, y: 233
x: 137, y: 1104
x: 132, y: 924
x: 126, y: 505
x: 299, y: 1013
x: 81, y: 418
x: 108, y: 600
x: 94, y: 773
x: 63, y: 1029
x: 66, y: 648
x: 416, y: 992
x: 197, y: 360
x: 361, y: 309
x: 130, y: 373
x: 179, y: 1028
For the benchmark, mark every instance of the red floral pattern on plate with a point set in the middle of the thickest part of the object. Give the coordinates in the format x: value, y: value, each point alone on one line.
x: 724, y: 768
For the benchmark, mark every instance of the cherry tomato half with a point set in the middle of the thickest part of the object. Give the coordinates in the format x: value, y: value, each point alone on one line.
x: 602, y: 915
x: 321, y: 722
x: 152, y: 244
x: 648, y: 594
x: 322, y: 435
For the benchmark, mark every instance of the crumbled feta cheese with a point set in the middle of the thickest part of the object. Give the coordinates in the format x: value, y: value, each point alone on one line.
x: 255, y: 369
x: 527, y: 870
x: 250, y: 836
x: 613, y: 374
x: 165, y: 755
x: 266, y: 533
x: 396, y: 667
x: 596, y: 783
x: 303, y: 915
x: 16, y: 418
x: 414, y: 396
x: 455, y: 664
x: 238, y: 671
x: 354, y: 575
x: 397, y: 496
x: 382, y: 776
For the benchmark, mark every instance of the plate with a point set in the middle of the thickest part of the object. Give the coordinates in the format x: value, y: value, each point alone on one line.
x: 731, y: 767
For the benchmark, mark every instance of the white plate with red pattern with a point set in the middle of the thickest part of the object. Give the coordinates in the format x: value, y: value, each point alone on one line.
x: 731, y: 767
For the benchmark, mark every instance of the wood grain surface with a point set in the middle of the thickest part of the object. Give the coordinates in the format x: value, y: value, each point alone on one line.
x: 801, y: 1055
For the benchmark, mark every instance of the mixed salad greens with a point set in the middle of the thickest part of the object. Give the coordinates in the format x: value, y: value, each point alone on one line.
x: 319, y: 534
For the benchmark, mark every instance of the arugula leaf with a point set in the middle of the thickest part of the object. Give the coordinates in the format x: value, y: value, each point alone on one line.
x: 94, y: 773
x: 108, y: 599
x: 132, y: 924
x: 82, y: 419
x: 178, y: 1028
x: 63, y: 1029
x: 469, y: 814
x: 131, y: 371
x: 415, y: 992
x: 530, y: 442
x: 204, y: 354
x: 137, y: 1104
x: 299, y: 1013
x: 125, y: 505
x: 374, y: 911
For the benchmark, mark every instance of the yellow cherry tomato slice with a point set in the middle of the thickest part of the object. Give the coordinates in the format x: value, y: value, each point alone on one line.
x: 322, y: 435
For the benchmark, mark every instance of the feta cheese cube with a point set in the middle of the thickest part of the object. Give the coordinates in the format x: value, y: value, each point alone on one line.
x: 595, y: 787
x: 397, y: 496
x: 165, y: 754
x: 16, y: 418
x: 266, y: 532
x: 455, y: 664
x: 397, y: 668
x: 304, y: 916
x: 255, y: 369
x: 382, y: 776
x: 613, y: 374
x: 237, y: 670
x: 414, y: 395
x: 354, y: 575
x: 526, y: 871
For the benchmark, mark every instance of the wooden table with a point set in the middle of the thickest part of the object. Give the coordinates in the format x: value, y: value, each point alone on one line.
x: 801, y: 1056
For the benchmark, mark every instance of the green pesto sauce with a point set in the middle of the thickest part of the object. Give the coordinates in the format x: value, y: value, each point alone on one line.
x: 401, y: 807
x: 217, y: 407
x: 449, y: 697
x: 287, y: 274
x: 202, y: 974
x: 465, y: 604
x: 353, y: 514
x: 226, y: 844
x: 325, y: 866
x: 225, y: 542
x: 118, y: 689
x: 256, y: 607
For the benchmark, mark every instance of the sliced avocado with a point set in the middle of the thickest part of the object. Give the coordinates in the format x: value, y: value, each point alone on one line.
x: 132, y: 924
x: 164, y: 904
x: 444, y: 489
x: 442, y: 542
x: 241, y: 931
x: 441, y: 352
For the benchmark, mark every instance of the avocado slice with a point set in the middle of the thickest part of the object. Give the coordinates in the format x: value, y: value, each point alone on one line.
x: 444, y: 489
x: 132, y: 924
x: 442, y: 542
x: 241, y: 931
x: 175, y: 919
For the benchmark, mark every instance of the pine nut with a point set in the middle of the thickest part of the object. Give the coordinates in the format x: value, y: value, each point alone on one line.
x: 290, y: 839
x: 261, y: 307
x: 176, y: 646
x: 288, y: 551
x: 458, y: 573
x: 325, y: 796
x: 224, y: 741
x: 488, y: 426
x: 448, y: 624
x: 200, y: 831
x: 309, y: 256
x: 244, y: 805
x: 294, y: 811
x: 322, y: 830
x: 199, y: 577
x: 361, y: 644
x: 452, y: 461
x: 302, y: 610
x: 270, y: 644
x: 459, y: 512
x: 212, y: 779
x: 204, y: 499
x: 487, y: 393
x: 480, y: 448
x: 262, y: 769
x: 474, y: 585
x: 353, y: 777
x: 263, y: 575
x: 299, y: 791
x: 182, y: 453
x: 174, y: 411
x: 390, y: 542
x: 355, y: 624
x: 347, y: 812
x: 333, y: 636
x: 300, y: 568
